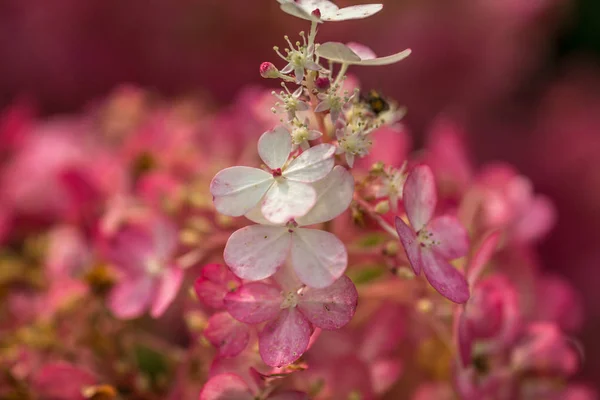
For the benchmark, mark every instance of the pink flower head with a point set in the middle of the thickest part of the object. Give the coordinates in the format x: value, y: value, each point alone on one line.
x: 143, y: 254
x: 544, y: 348
x: 222, y: 331
x: 215, y: 281
x: 491, y: 315
x: 285, y: 191
x: 430, y: 242
x: 233, y: 387
x: 318, y: 257
x: 290, y: 311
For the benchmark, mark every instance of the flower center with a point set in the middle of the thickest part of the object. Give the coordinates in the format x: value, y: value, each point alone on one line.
x: 277, y: 173
x: 290, y: 299
x: 426, y: 238
x: 154, y: 267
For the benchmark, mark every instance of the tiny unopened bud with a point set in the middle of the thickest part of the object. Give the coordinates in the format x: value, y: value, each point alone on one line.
x: 424, y: 306
x: 322, y: 84
x: 405, y: 273
x: 268, y: 70
x: 316, y: 13
x: 382, y: 207
x: 390, y: 249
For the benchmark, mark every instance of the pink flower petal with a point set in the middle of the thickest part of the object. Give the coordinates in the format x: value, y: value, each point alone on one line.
x: 131, y: 297
x: 214, y: 283
x: 168, y: 286
x: 319, y: 258
x: 237, y: 189
x: 450, y: 236
x: 129, y: 249
x: 254, y: 302
x: 285, y: 339
x: 384, y: 374
x: 312, y: 165
x: 446, y: 279
x: 227, y: 334
x: 420, y: 196
x: 274, y: 147
x: 411, y: 246
x: 334, y: 194
x: 226, y: 387
x: 256, y: 252
x: 481, y: 257
x: 537, y: 221
x: 332, y: 307
x: 287, y: 200
x: 61, y: 381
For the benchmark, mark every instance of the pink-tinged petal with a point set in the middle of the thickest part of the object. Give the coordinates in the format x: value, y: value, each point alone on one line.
x: 215, y: 281
x: 290, y: 396
x: 237, y: 189
x: 384, y: 373
x: 227, y: 334
x: 318, y: 257
x: 481, y: 257
x: 446, y: 279
x: 420, y: 196
x: 559, y: 302
x: 255, y: 215
x: 353, y: 12
x: 61, y: 381
x: 226, y: 387
x: 129, y: 249
x: 287, y: 200
x: 450, y: 237
x: 537, y: 221
x: 168, y: 286
x: 255, y: 252
x: 385, y: 332
x: 284, y: 340
x: 312, y: 165
x: 332, y: 307
x: 334, y: 194
x: 165, y: 237
x: 254, y: 302
x: 364, y: 52
x: 274, y: 147
x: 411, y: 246
x: 131, y: 297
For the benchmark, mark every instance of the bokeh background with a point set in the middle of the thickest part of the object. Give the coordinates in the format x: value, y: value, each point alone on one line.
x: 521, y: 76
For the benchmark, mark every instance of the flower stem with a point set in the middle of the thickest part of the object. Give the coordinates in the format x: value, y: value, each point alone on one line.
x: 366, y: 207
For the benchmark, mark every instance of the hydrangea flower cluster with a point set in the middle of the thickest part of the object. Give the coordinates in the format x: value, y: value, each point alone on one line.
x: 301, y: 253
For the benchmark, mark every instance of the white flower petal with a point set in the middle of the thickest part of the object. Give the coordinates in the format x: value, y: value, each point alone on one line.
x: 318, y: 257
x: 274, y: 147
x: 287, y: 200
x: 255, y: 215
x: 255, y: 252
x: 394, y: 58
x: 237, y: 189
x: 337, y: 52
x: 340, y: 53
x: 353, y: 12
x: 312, y: 165
x: 334, y: 194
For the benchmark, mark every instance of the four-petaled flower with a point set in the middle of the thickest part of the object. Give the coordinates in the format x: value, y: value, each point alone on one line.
x: 285, y: 191
x: 149, y: 276
x: 255, y: 252
x: 431, y: 242
x: 325, y: 10
x: 290, y: 311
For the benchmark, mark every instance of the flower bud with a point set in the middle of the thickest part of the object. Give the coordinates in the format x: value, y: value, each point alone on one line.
x: 268, y: 70
x: 382, y: 207
x: 316, y: 13
x: 322, y: 84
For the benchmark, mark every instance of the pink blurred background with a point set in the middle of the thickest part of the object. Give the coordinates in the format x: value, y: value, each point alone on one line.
x: 521, y: 76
